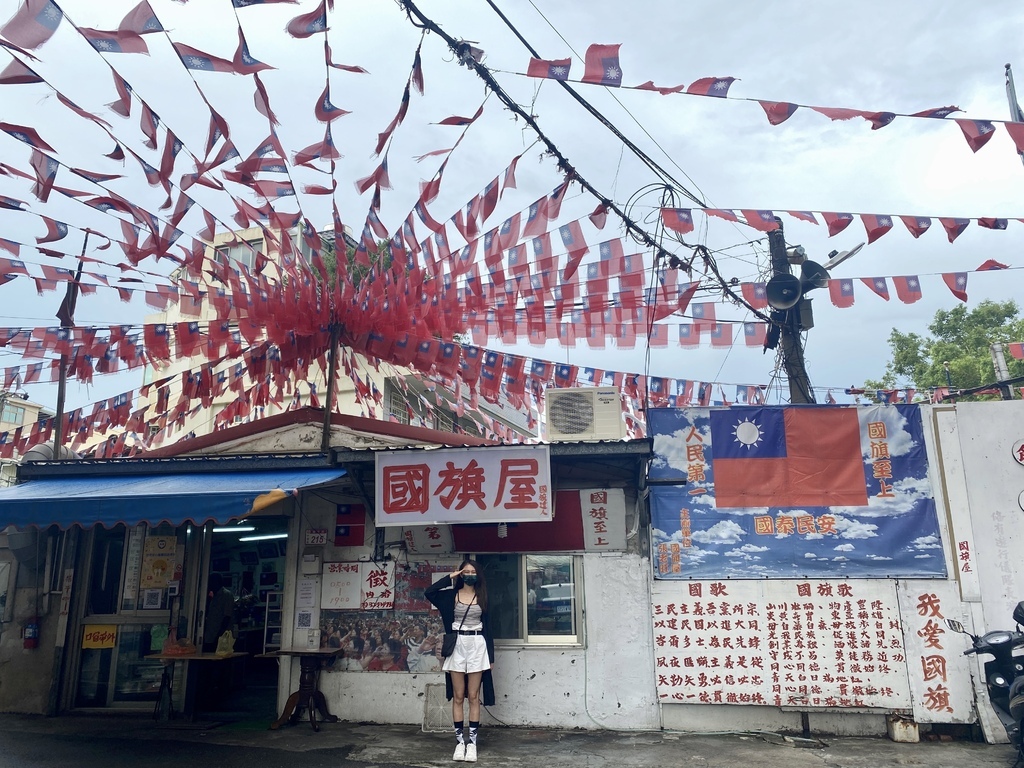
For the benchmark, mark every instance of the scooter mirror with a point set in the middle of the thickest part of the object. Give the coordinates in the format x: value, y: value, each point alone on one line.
x: 956, y: 626
x: 1018, y: 613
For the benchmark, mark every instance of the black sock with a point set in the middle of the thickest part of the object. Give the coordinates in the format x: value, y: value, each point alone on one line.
x: 474, y: 728
x: 458, y: 732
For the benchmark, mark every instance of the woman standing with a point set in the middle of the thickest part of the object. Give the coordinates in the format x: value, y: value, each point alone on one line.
x: 461, y: 598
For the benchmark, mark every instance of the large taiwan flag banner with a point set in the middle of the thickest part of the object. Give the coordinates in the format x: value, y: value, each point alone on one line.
x: 793, y: 492
x: 787, y: 457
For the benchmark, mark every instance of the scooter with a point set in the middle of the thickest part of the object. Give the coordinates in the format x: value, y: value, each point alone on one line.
x: 1004, y: 673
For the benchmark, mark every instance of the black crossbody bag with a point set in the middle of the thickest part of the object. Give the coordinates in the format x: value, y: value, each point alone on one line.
x: 450, y: 638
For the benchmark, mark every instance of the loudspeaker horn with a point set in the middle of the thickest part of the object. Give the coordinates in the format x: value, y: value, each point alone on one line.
x: 783, y: 291
x: 813, y: 275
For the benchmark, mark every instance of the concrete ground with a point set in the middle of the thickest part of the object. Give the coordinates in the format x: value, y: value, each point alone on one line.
x: 115, y: 740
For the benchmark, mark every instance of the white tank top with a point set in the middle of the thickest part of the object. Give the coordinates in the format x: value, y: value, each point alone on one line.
x: 473, y: 616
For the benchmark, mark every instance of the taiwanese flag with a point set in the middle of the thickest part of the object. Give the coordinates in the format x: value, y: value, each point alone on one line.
x: 807, y: 216
x: 447, y: 361
x: 26, y: 135
x: 601, y: 65
x: 556, y: 69
x: 721, y: 335
x: 761, y: 220
x: 575, y: 245
x: 836, y: 222
x: 55, y: 230
x: 755, y: 294
x: 33, y: 24
x: 114, y: 42
x: 977, y: 132
x: 841, y: 292
x: 875, y: 225
x: 908, y: 288
x: 711, y: 86
x: 722, y: 213
x: 957, y: 284
x: 17, y: 73
x: 1016, y: 350
x: 990, y: 264
x: 658, y: 336
x: 490, y: 375
x: 689, y: 335
x: 704, y: 314
x: 200, y: 61
x: 308, y: 24
x: 536, y: 218
x: 754, y: 334
x: 778, y: 457
x: 878, y: 285
x: 879, y: 119
x: 140, y: 20
x: 917, y: 225
x: 778, y: 111
x: 325, y: 110
x: 992, y: 223
x: 46, y: 172
x: 938, y: 112
x: 157, y: 340
x: 678, y: 219
x: 565, y: 375
x: 953, y: 227
x: 244, y: 63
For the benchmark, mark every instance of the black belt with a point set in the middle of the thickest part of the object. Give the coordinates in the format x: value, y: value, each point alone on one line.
x: 470, y: 631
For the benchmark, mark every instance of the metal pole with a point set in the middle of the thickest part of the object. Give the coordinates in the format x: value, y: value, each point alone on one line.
x: 1011, y: 96
x: 1002, y: 372
x: 789, y: 326
x: 332, y: 366
x: 66, y: 315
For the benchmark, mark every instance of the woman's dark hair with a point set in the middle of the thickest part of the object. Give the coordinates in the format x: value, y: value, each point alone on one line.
x: 481, y: 584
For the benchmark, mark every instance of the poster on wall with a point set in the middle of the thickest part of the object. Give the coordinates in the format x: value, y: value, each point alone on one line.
x: 363, y: 586
x: 811, y: 644
x: 792, y: 492
x: 383, y: 641
x: 158, y: 562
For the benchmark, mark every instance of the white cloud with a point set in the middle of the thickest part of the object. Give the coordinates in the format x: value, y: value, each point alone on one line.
x: 872, y: 556
x: 923, y: 557
x: 810, y: 556
x: 725, y: 532
x: 855, y: 529
x: 926, y: 542
x: 845, y: 548
x: 839, y: 559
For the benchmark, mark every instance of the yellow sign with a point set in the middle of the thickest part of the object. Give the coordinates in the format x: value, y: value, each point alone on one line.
x: 99, y: 635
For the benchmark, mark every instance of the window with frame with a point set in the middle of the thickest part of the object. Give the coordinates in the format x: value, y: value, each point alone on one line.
x: 239, y: 253
x: 13, y: 414
x: 533, y: 598
x: 398, y: 405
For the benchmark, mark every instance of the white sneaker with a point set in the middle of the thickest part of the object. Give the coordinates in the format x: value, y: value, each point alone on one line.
x: 471, y: 753
x: 460, y: 753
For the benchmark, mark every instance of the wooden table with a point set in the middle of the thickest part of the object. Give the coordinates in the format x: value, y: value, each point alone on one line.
x: 167, y: 679
x: 308, y: 694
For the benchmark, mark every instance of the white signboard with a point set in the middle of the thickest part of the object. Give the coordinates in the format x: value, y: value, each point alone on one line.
x: 340, y: 587
x: 604, y: 519
x: 428, y: 539
x: 806, y: 644
x: 358, y: 587
x: 940, y: 674
x: 500, y: 484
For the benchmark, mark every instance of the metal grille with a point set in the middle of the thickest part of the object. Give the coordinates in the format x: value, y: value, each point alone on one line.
x: 571, y: 413
x: 437, y: 710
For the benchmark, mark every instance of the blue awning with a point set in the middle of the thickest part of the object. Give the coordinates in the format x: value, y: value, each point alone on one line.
x: 172, y: 498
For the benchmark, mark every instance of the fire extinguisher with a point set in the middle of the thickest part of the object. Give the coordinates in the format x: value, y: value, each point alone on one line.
x: 30, y: 634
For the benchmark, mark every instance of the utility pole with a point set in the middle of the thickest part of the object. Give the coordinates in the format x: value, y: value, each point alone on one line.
x: 1002, y: 372
x: 788, y: 323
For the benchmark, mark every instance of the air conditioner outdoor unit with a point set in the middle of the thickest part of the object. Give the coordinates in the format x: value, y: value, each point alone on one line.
x: 584, y: 413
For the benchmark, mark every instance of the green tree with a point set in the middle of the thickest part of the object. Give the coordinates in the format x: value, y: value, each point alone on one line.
x: 957, y: 337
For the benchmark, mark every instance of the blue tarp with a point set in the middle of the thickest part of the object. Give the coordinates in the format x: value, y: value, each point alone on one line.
x: 172, y: 498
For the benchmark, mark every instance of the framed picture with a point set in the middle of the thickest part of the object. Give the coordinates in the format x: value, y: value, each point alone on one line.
x: 248, y: 557
x: 267, y: 550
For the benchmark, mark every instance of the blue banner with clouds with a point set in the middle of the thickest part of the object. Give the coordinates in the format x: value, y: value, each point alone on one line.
x: 791, y: 503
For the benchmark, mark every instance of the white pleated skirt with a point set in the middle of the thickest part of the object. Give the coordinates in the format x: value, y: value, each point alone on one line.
x: 470, y: 655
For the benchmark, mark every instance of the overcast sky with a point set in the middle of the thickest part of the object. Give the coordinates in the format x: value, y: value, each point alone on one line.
x: 899, y: 57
